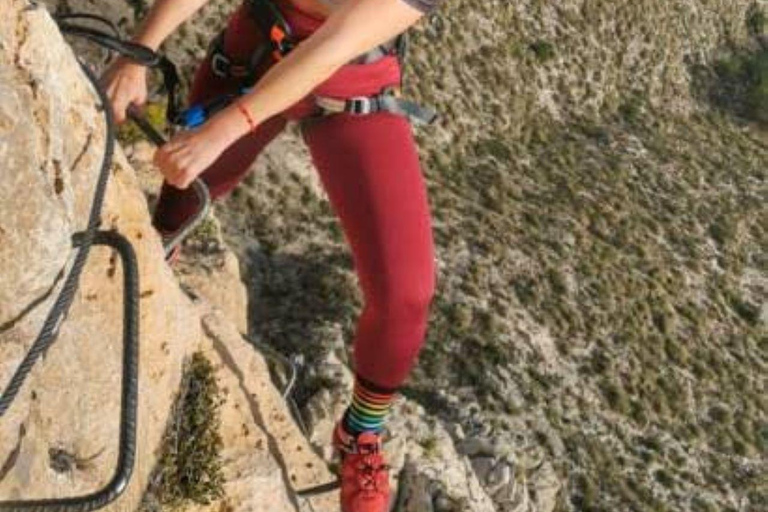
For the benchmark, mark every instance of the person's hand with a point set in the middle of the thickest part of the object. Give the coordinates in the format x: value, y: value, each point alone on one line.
x: 125, y: 83
x: 188, y: 154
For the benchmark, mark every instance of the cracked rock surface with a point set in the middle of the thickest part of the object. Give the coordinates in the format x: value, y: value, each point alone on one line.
x: 60, y: 436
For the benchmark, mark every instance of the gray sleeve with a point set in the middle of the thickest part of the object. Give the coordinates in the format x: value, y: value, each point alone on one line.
x: 424, y: 6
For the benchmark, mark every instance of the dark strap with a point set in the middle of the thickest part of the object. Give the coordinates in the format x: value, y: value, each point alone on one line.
x: 408, y: 108
x: 274, y: 26
x: 391, y: 47
x: 276, y: 29
x: 223, y: 66
x: 278, y: 32
x: 136, y: 52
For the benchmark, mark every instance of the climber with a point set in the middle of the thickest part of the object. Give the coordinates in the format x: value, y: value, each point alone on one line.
x: 332, y: 66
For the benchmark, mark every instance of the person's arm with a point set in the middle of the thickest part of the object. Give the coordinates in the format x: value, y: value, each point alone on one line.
x: 355, y: 28
x: 358, y: 26
x: 125, y: 81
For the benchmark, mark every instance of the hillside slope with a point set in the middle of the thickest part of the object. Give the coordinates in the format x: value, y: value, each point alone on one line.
x: 601, y: 229
x: 599, y: 202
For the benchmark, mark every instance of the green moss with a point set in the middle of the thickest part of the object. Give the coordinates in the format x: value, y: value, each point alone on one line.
x: 189, y: 467
x: 429, y: 444
x: 206, y: 232
x: 129, y: 133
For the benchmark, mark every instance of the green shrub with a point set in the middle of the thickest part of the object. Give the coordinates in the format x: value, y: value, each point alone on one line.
x: 757, y: 89
x: 743, y: 84
x: 189, y: 468
x: 757, y: 20
x: 543, y: 50
x: 139, y: 8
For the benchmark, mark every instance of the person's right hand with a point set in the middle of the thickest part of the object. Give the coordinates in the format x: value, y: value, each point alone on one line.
x: 125, y: 83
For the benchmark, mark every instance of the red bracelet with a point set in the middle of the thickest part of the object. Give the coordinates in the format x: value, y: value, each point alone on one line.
x: 247, y: 114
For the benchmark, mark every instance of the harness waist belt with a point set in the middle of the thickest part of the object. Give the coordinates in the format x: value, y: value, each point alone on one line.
x: 388, y: 100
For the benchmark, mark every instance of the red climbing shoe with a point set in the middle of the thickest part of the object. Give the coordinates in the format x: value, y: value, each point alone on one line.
x: 364, y: 475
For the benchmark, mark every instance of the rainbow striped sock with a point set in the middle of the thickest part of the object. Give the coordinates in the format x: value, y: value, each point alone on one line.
x: 369, y: 408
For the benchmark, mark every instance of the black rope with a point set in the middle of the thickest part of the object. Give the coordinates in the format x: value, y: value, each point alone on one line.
x: 129, y: 393
x: 63, y: 302
x: 88, y: 16
x: 61, y: 306
x: 83, y: 241
x: 134, y: 51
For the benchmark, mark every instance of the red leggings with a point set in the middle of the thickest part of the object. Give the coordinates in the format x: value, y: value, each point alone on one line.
x: 370, y: 170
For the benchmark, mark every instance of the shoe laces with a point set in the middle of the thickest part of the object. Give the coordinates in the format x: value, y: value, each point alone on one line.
x: 369, y: 470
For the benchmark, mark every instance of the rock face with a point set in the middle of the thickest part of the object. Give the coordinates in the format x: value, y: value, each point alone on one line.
x: 59, y: 438
x: 41, y: 207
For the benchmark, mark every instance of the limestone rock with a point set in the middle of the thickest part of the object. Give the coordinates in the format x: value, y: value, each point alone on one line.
x: 209, y: 270
x: 255, y: 406
x: 60, y: 436
x: 264, y: 448
x: 254, y: 479
x: 38, y: 205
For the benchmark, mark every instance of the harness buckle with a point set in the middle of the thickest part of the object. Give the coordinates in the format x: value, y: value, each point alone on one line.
x: 360, y: 105
x: 277, y: 34
x: 220, y: 65
x: 280, y: 41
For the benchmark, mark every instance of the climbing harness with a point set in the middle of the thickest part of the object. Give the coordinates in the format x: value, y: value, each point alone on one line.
x: 274, y: 25
x: 280, y: 40
x: 389, y: 100
x: 223, y: 67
